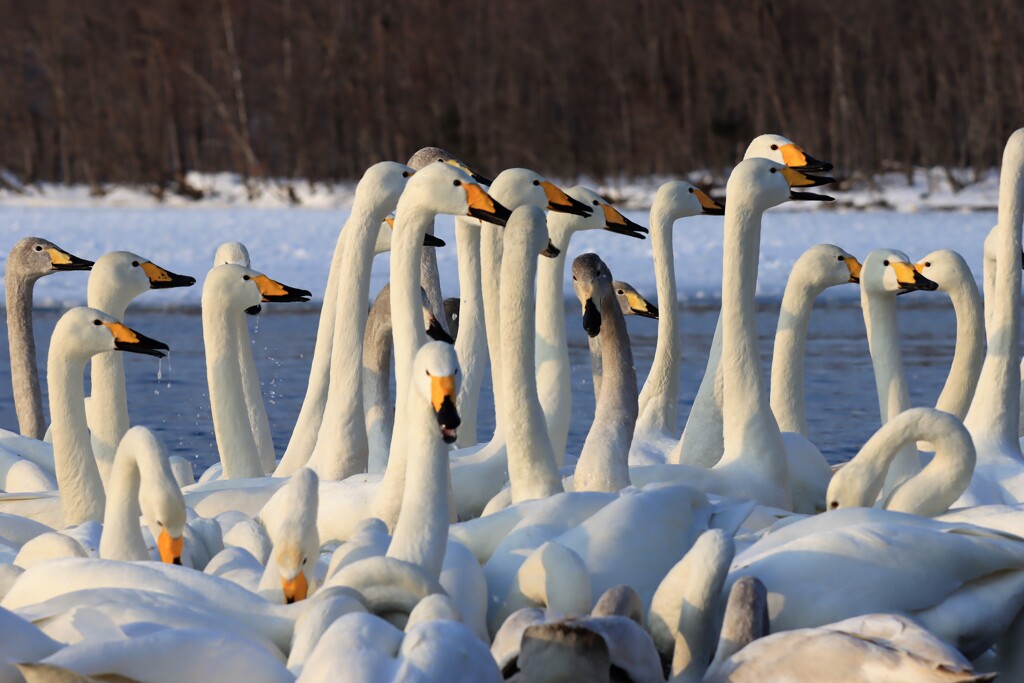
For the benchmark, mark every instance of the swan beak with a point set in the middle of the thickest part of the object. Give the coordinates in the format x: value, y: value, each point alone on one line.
x: 483, y: 206
x: 62, y: 260
x: 170, y: 548
x: 619, y: 224
x: 799, y: 160
x: 432, y: 241
x: 390, y: 220
x: 551, y: 251
x: 482, y: 179
x: 127, y: 339
x: 910, y: 279
x: 854, y: 266
x: 563, y: 203
x: 295, y: 589
x: 437, y: 333
x: 160, y: 278
x: 591, y: 319
x: 442, y: 398
x: 641, y: 306
x: 708, y: 206
x: 797, y: 178
x: 274, y: 291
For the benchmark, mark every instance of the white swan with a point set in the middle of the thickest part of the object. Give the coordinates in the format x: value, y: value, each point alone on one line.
x: 30, y: 259
x: 290, y: 518
x: 116, y: 279
x: 928, y: 493
x: 80, y: 334
x: 994, y: 416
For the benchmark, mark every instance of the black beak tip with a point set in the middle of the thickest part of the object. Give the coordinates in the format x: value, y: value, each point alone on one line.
x: 253, y: 310
x: 437, y: 333
x: 483, y: 180
x: 714, y: 211
x: 75, y: 264
x: 177, y: 561
x: 432, y: 241
x: 591, y: 319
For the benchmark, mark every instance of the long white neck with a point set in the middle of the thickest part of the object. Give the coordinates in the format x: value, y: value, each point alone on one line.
x: 409, y: 335
x: 421, y: 533
x: 604, y: 461
x: 471, y: 344
x: 307, y: 425
x: 532, y: 470
x: 231, y: 426
x: 890, y: 381
x: 659, y: 399
x: 554, y: 384
x: 81, y: 490
x: 341, y: 446
x: 702, y: 442
x: 752, y: 441
x: 107, y: 414
x: 28, y: 401
x: 787, y: 394
x: 969, y: 352
x: 377, y: 407
x: 252, y: 398
x: 995, y: 412
x: 490, y: 271
x: 122, y: 536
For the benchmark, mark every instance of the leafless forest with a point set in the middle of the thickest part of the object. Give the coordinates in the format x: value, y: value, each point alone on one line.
x: 119, y: 90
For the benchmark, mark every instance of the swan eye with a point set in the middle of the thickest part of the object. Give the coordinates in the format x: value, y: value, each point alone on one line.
x: 621, y: 292
x: 456, y: 183
x: 536, y: 183
x: 38, y: 248
x: 246, y: 277
x: 159, y: 523
x: 885, y: 263
x: 135, y: 264
x: 833, y: 505
x: 773, y: 170
x: 405, y: 174
x: 841, y: 258
x: 595, y: 204
x: 690, y: 190
x: 927, y: 264
x: 440, y: 160
x: 774, y: 147
x: 574, y: 278
x: 304, y: 561
x: 97, y: 322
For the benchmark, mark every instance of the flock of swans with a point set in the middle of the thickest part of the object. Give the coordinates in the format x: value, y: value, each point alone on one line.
x: 393, y: 542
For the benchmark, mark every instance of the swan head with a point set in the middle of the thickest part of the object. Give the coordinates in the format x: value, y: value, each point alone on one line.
x: 761, y: 184
x: 516, y: 187
x: 891, y: 271
x: 434, y: 372
x: 604, y: 216
x: 34, y: 257
x: 946, y: 268
x: 295, y: 537
x: 591, y: 280
x: 680, y: 199
x: 445, y: 188
x: 160, y: 499
x: 230, y: 286
x: 129, y: 275
x: 430, y: 323
x: 631, y: 302
x: 387, y: 226
x: 381, y: 185
x: 826, y: 265
x: 232, y: 252
x: 784, y: 151
x: 87, y: 331
x: 435, y: 155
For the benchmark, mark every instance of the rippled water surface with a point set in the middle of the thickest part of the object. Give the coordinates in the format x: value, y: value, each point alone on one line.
x: 170, y: 396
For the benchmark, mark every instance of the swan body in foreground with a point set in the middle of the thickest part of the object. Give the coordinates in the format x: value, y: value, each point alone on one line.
x: 30, y: 259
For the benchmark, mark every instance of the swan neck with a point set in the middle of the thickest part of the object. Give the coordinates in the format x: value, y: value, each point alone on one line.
x: 659, y: 399
x: 471, y: 342
x: 28, y: 400
x: 968, y: 354
x: 122, y: 535
x: 787, y: 383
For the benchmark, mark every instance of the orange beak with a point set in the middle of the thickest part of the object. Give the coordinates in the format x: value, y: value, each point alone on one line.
x: 295, y: 589
x: 170, y: 548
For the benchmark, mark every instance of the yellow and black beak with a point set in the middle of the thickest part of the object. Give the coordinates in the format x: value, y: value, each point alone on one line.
x: 708, y: 206
x: 551, y: 251
x: 561, y: 202
x: 910, y: 279
x: 482, y: 179
x: 127, y: 339
x: 295, y: 589
x: 797, y: 178
x: 437, y: 333
x: 854, y: 266
x: 639, y: 305
x: 591, y: 318
x: 442, y: 398
x: 274, y: 291
x: 483, y: 206
x: 62, y: 260
x: 620, y: 225
x: 799, y: 160
x: 170, y: 548
x: 160, y: 278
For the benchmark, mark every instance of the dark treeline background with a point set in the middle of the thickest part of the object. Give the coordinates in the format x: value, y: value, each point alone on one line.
x: 113, y: 90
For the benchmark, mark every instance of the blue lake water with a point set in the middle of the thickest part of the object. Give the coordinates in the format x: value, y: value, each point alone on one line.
x: 170, y: 396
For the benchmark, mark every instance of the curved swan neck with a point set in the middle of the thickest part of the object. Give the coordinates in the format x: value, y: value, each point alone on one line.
x: 122, y: 535
x: 968, y: 354
x: 471, y: 344
x: 28, y: 398
x: 787, y: 384
x: 532, y: 469
x: 659, y: 399
x: 995, y: 412
x: 231, y: 426
x: 604, y: 461
x: 81, y: 490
